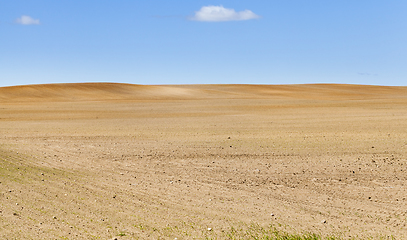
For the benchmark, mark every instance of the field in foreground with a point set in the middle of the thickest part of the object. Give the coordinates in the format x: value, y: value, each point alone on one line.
x: 100, y: 161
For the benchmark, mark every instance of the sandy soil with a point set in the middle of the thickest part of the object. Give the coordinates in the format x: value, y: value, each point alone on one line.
x: 84, y: 161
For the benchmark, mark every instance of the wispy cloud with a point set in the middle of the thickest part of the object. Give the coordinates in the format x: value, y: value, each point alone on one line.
x: 367, y: 74
x: 27, y: 20
x: 221, y: 14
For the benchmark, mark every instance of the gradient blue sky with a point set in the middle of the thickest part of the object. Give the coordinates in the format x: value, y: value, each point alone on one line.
x: 157, y: 42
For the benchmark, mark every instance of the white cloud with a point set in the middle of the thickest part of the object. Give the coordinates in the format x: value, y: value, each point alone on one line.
x: 27, y: 20
x: 221, y: 14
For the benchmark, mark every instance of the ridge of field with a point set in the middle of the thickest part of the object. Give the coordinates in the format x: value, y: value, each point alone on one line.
x: 108, y: 160
x: 119, y: 91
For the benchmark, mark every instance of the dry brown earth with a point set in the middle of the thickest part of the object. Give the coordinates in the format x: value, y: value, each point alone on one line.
x: 104, y: 160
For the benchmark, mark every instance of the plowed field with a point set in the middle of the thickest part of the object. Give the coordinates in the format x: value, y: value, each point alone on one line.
x: 101, y: 160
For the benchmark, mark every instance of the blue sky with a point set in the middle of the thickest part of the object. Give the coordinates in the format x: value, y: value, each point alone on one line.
x: 198, y: 42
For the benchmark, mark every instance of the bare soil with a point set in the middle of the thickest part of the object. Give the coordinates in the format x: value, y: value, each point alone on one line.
x: 104, y: 160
